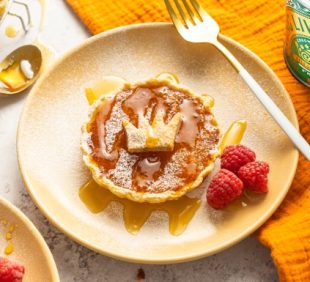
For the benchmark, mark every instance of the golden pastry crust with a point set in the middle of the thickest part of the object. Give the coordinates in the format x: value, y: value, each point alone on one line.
x: 134, y: 195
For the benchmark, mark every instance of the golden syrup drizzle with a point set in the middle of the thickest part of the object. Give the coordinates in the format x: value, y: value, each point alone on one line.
x: 180, y: 212
x: 233, y: 135
x: 11, y: 228
x: 13, y: 77
x: 146, y: 169
x: 110, y: 84
x: 189, y: 128
x: 9, y: 248
x: 107, y: 85
x: 11, y: 31
x: 139, y: 101
x: 8, y: 236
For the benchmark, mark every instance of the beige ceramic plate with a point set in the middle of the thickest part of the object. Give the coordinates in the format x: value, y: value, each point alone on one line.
x: 30, y: 248
x: 49, y: 136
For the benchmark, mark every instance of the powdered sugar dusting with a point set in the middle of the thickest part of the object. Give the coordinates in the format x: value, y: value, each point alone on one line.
x: 149, y: 111
x: 173, y: 99
x: 170, y: 176
x: 114, y: 124
x: 122, y: 173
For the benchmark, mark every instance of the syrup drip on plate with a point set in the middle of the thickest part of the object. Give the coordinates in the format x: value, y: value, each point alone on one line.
x: 135, y: 214
x: 233, y: 135
x: 10, y: 228
x: 9, y: 248
x: 107, y: 85
x: 180, y: 212
x: 189, y: 128
x: 11, y: 31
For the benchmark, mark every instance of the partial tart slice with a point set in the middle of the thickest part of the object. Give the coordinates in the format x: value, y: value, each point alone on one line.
x: 151, y: 141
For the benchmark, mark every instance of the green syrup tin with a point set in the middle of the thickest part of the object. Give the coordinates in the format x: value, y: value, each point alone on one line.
x: 297, y: 44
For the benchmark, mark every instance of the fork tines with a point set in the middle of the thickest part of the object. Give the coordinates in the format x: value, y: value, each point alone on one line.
x: 190, y: 12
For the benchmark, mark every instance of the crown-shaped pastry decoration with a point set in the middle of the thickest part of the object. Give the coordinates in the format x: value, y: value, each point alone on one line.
x: 158, y: 136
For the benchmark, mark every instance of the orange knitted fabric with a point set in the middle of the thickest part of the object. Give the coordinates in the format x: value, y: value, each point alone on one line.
x: 260, y: 26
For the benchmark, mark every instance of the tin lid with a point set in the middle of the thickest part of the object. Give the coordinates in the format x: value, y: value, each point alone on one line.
x: 305, y: 3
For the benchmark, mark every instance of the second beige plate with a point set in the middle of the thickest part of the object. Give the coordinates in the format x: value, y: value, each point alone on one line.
x: 29, y: 247
x: 49, y: 136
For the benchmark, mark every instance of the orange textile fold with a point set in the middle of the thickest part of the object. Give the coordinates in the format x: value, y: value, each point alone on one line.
x: 260, y: 26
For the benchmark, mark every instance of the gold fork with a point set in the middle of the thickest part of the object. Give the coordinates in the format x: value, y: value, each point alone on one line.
x: 194, y: 24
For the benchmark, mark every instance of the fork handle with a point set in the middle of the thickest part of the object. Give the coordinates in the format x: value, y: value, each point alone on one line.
x: 299, y: 142
x: 277, y: 114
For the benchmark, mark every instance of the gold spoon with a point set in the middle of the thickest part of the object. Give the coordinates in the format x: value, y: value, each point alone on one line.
x: 12, y: 77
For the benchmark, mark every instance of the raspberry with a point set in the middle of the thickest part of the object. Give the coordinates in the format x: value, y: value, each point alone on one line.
x: 224, y: 188
x: 10, y: 271
x: 254, y: 176
x: 236, y: 156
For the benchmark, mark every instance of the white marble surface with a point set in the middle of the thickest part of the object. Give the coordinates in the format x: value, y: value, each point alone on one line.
x: 246, y: 261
